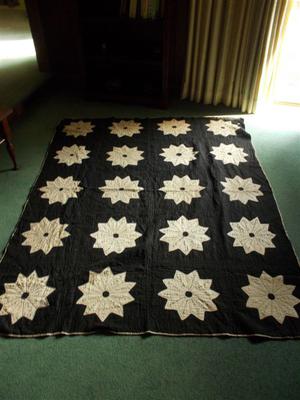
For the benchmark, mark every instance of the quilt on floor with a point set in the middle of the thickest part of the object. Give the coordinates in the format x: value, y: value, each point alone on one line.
x: 162, y: 225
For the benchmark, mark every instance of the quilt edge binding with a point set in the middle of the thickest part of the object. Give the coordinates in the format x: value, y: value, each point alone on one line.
x: 155, y: 333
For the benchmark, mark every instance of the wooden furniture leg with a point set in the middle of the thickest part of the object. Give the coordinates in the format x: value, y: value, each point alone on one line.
x: 8, y: 139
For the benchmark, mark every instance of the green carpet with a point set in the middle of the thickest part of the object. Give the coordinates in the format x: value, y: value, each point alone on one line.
x: 146, y: 368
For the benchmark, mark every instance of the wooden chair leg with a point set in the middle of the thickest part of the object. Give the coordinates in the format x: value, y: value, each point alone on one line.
x: 8, y: 140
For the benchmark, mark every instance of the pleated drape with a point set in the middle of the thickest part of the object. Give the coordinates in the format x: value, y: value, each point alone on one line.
x: 227, y: 45
x: 276, y: 36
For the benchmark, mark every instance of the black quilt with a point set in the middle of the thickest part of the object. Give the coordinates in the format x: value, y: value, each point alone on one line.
x: 165, y: 226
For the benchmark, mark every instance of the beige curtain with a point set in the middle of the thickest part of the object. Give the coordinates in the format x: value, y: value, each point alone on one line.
x: 228, y: 42
x: 279, y: 23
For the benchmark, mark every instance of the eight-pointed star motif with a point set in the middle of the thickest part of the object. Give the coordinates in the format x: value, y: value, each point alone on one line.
x: 174, y: 127
x: 115, y: 236
x: 25, y: 296
x: 251, y: 235
x: 185, y: 235
x: 60, y: 190
x: 229, y: 154
x: 271, y: 297
x: 222, y: 127
x: 241, y: 189
x: 179, y: 154
x: 125, y: 128
x: 105, y: 293
x: 121, y: 189
x: 45, y: 235
x: 78, y: 128
x: 182, y: 189
x: 188, y: 294
x: 124, y: 156
x: 72, y: 155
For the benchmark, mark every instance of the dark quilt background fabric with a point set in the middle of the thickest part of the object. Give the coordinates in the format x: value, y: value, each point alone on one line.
x: 220, y: 278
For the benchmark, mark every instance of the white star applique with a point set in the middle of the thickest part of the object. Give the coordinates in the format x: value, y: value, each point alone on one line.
x: 24, y: 297
x: 185, y: 235
x: 106, y: 293
x: 179, y: 154
x: 78, y: 128
x: 182, y: 189
x: 222, y: 127
x: 45, y: 235
x: 121, y: 189
x: 271, y: 297
x: 174, y: 127
x: 115, y: 236
x: 251, y: 235
x: 125, y: 128
x: 188, y: 294
x: 229, y: 154
x: 124, y: 156
x: 243, y: 190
